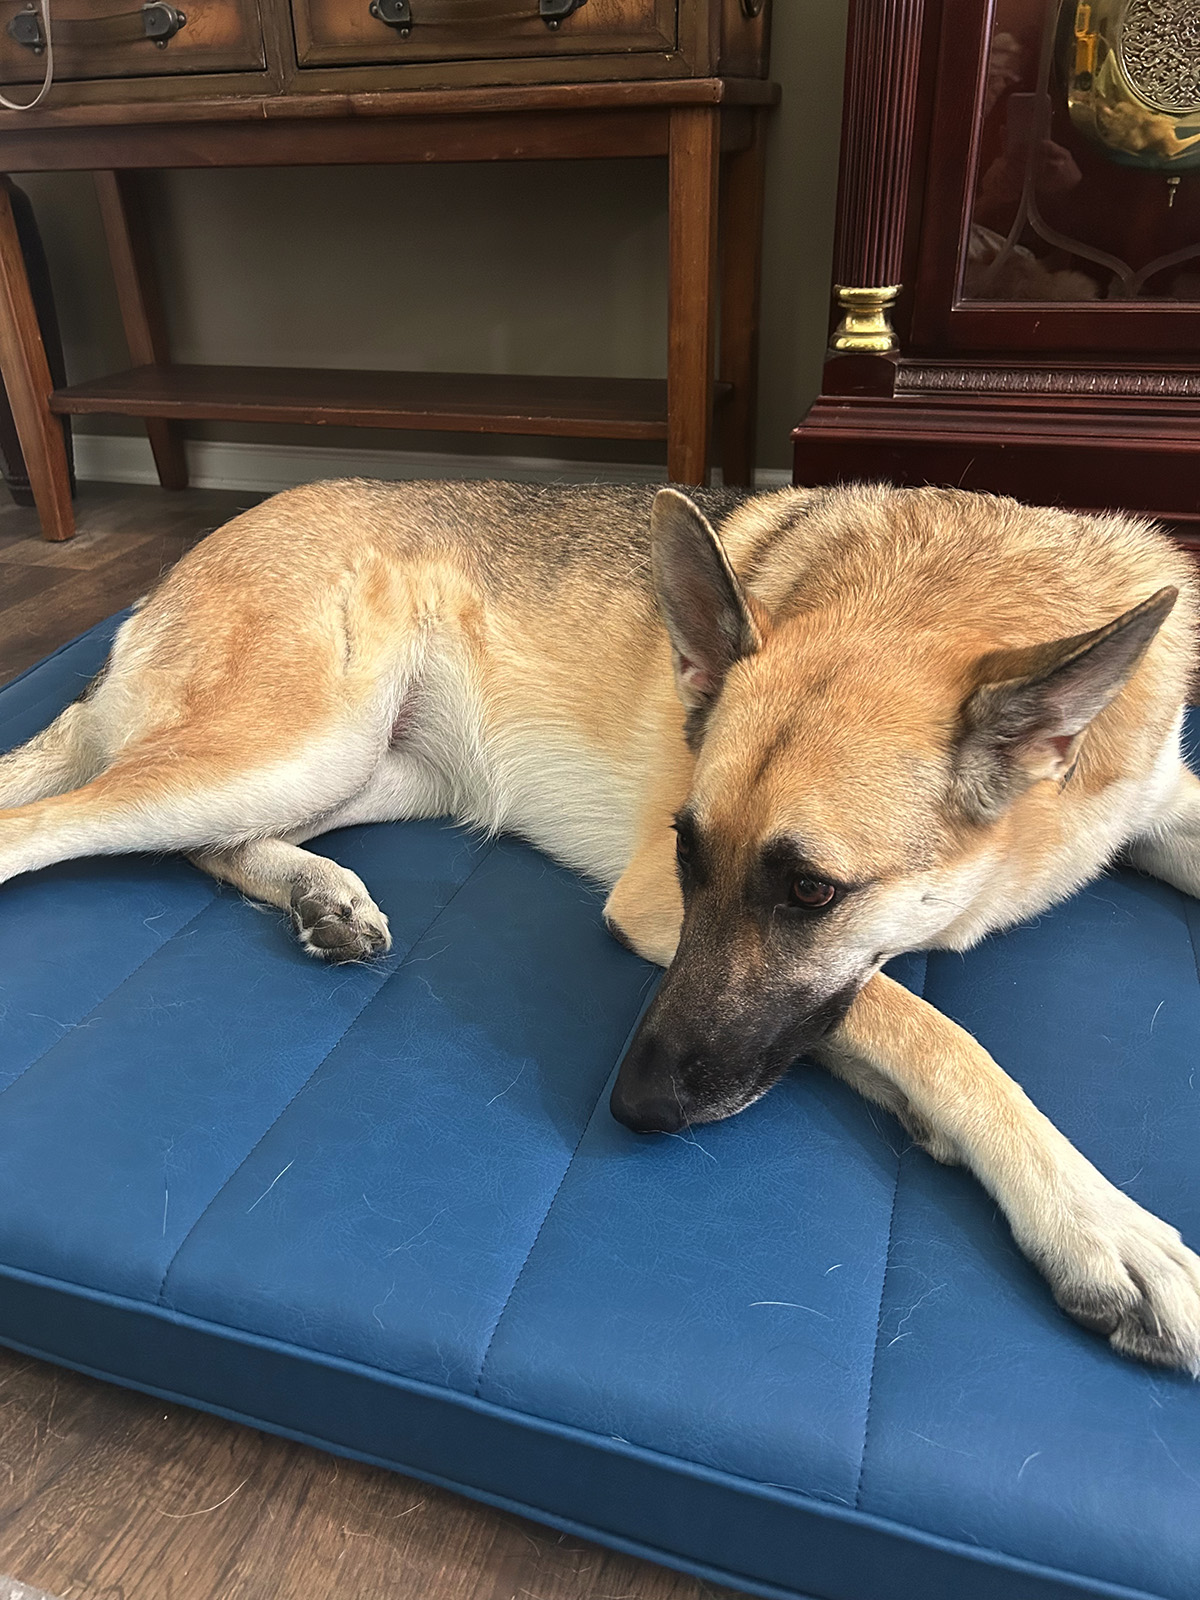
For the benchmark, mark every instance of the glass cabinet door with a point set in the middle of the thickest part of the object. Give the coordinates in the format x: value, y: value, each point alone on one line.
x: 1077, y: 191
x: 1085, y: 182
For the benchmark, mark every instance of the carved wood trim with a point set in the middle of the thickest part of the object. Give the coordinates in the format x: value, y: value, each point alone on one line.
x: 1098, y: 382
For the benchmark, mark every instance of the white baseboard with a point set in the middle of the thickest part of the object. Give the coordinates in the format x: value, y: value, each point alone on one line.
x: 214, y: 464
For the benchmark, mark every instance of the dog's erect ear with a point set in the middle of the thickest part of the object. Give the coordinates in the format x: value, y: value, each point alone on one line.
x: 1026, y: 719
x: 706, y: 613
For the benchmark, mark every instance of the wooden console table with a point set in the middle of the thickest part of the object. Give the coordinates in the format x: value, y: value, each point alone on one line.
x: 671, y: 104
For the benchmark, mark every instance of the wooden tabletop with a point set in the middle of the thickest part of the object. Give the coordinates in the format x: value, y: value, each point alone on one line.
x: 651, y: 94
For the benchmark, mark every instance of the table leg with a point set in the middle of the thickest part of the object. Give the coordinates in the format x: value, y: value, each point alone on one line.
x: 741, y: 277
x: 694, y: 172
x: 29, y: 384
x: 141, y: 307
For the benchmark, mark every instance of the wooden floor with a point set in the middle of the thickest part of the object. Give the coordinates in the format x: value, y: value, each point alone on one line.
x: 107, y: 1495
x: 127, y: 538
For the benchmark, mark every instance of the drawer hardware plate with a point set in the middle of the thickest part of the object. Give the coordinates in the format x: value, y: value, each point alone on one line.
x: 555, y: 11
x: 398, y: 14
x: 156, y: 20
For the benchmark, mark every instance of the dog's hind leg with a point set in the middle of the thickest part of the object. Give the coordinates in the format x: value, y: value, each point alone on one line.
x: 330, y: 906
x: 1170, y: 847
x: 61, y: 757
x: 154, y: 797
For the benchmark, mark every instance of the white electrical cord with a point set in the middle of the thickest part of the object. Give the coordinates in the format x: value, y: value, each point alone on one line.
x: 11, y: 105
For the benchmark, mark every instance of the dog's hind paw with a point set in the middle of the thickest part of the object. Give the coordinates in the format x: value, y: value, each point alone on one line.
x: 1129, y: 1276
x: 339, y: 921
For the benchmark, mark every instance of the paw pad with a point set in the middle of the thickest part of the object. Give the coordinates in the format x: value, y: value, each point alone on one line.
x: 339, y: 930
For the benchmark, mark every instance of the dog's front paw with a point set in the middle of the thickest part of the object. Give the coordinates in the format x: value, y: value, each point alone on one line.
x: 1128, y: 1275
x: 922, y: 1132
x: 339, y: 922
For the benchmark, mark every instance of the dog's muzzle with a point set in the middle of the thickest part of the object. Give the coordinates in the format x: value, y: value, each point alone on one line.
x: 682, y: 1070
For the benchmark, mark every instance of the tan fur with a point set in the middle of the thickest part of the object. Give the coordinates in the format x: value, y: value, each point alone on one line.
x: 355, y: 652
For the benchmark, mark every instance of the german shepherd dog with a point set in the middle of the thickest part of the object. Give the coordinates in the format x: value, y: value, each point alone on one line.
x: 855, y: 722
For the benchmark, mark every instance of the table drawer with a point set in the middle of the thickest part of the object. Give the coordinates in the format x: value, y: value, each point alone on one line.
x: 343, y: 32
x: 122, y: 39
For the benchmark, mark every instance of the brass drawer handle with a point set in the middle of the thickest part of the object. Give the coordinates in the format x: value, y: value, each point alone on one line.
x: 156, y: 20
x: 398, y: 14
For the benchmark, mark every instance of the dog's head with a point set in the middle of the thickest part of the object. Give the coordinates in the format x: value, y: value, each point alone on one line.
x: 859, y: 770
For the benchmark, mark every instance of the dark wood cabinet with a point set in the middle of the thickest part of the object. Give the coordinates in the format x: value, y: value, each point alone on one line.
x: 1019, y: 216
x: 377, y: 81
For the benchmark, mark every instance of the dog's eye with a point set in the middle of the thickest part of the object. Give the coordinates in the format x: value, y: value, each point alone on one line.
x: 684, y: 848
x: 811, y: 894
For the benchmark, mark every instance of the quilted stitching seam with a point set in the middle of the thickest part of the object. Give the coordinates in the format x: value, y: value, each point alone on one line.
x: 370, y: 1001
x: 1187, y: 922
x: 587, y: 1122
x: 105, y: 998
x: 887, y: 1262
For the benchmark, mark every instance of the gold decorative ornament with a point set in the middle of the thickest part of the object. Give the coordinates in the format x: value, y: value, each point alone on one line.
x: 865, y: 324
x: 1132, y: 71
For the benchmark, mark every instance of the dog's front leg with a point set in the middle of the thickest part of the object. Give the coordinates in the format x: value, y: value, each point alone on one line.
x: 1112, y: 1266
x: 330, y: 906
x: 645, y: 909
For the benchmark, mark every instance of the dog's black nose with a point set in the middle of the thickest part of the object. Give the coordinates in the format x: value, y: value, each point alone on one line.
x: 647, y: 1113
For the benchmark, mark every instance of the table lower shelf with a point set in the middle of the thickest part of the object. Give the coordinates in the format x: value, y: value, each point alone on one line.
x: 459, y: 402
